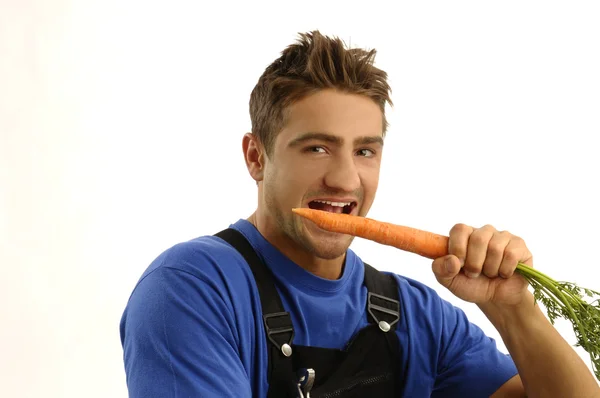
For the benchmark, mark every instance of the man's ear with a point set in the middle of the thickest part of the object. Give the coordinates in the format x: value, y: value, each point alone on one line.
x: 254, y: 155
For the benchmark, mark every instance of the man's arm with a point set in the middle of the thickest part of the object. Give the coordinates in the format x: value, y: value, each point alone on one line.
x: 513, y: 388
x: 178, y: 336
x: 481, y: 268
x: 548, y: 366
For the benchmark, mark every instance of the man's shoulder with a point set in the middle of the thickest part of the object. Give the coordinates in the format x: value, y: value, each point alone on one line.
x: 412, y: 287
x: 206, y: 257
x: 420, y: 299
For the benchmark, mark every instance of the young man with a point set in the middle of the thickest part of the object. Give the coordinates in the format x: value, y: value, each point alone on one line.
x: 276, y: 307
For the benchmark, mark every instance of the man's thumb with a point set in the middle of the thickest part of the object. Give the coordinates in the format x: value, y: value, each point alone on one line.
x: 445, y: 269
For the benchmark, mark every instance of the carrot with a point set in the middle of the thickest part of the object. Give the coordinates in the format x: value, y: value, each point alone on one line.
x: 423, y: 243
x: 566, y: 300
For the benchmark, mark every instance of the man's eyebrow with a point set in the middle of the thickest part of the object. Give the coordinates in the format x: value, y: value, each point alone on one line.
x: 371, y: 139
x: 334, y: 139
x: 317, y: 136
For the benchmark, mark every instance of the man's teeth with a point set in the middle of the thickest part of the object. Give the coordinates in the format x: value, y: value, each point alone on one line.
x: 339, y: 204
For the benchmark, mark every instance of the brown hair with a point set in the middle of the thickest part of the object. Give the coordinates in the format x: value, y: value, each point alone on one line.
x: 315, y: 62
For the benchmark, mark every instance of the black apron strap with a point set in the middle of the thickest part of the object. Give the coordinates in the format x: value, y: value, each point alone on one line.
x: 383, y: 309
x: 383, y: 305
x: 277, y: 321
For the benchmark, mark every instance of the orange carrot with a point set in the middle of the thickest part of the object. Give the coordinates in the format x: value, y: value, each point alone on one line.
x: 578, y: 305
x: 423, y: 243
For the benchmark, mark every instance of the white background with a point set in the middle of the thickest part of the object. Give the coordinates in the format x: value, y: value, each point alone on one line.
x: 120, y: 135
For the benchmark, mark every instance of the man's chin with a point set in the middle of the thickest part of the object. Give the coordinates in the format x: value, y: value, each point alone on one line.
x: 331, y: 248
x: 326, y: 244
x: 327, y: 254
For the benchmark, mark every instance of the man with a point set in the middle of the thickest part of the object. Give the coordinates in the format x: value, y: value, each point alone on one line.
x: 274, y: 306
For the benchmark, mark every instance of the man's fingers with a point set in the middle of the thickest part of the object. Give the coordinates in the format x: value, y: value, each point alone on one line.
x: 495, y: 253
x: 477, y: 250
x: 515, y: 252
x: 459, y: 240
x: 485, y: 250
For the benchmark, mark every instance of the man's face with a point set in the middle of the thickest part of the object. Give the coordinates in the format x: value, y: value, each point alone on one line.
x: 327, y: 157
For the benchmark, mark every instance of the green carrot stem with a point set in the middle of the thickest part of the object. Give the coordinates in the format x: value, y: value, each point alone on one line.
x: 525, y: 269
x: 549, y: 286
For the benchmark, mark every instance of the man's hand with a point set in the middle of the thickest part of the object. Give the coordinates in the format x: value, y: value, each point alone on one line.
x: 480, y: 266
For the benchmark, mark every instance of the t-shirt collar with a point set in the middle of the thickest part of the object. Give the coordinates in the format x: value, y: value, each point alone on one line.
x: 288, y: 271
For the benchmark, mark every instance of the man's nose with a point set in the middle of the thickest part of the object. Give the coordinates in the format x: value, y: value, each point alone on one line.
x: 343, y: 175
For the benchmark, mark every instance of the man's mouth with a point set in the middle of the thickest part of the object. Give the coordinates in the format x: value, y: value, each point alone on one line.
x: 333, y: 207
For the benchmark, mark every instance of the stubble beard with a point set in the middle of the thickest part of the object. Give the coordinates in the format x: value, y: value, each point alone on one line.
x: 293, y: 228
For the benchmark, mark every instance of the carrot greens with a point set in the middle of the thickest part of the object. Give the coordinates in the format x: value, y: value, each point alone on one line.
x: 580, y: 306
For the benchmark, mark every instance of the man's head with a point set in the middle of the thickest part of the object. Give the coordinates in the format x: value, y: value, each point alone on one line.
x: 316, y: 62
x: 318, y: 123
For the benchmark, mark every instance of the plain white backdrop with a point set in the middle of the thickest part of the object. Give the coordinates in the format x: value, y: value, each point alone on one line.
x: 120, y: 135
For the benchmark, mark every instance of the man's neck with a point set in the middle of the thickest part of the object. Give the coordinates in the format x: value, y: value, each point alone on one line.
x: 323, y: 268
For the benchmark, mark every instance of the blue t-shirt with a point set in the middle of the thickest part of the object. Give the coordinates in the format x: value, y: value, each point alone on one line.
x: 191, y: 327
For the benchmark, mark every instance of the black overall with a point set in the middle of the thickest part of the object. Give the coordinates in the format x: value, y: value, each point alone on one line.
x: 367, y: 367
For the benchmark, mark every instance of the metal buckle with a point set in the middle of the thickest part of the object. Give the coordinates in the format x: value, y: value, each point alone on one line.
x: 383, y: 324
x: 306, y: 379
x: 284, y: 347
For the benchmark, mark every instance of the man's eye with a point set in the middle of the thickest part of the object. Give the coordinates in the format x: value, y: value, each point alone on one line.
x: 366, y: 153
x: 315, y: 149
